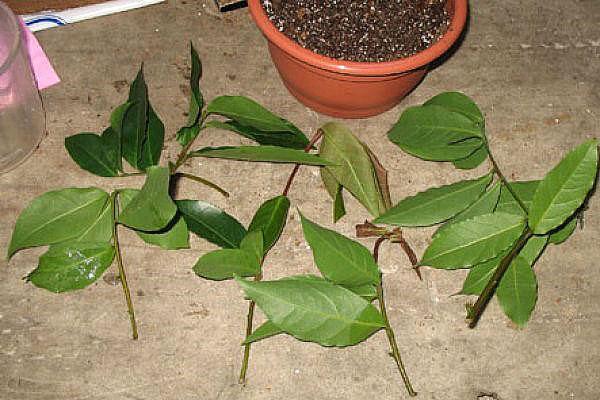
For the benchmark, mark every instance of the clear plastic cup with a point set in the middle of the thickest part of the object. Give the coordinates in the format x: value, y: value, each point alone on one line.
x: 22, y: 120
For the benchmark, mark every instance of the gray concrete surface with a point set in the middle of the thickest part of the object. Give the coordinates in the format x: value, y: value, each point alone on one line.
x: 533, y: 66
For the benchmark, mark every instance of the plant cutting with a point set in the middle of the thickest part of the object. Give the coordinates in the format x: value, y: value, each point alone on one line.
x: 494, y: 227
x: 81, y: 225
x: 334, y: 309
x: 368, y: 87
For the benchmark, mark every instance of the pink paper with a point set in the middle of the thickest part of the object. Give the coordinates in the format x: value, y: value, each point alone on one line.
x: 42, y: 69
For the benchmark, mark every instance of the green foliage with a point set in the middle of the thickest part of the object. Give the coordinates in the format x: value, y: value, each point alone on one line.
x: 211, y: 223
x: 435, y: 205
x: 563, y: 232
x: 152, y: 208
x: 564, y: 189
x: 196, y: 99
x: 264, y: 331
x: 72, y: 265
x: 255, y: 122
x: 172, y: 237
x: 496, y: 228
x: 154, y: 140
x: 272, y: 154
x: 336, y: 192
x: 483, y: 237
x: 57, y: 216
x: 291, y: 139
x: 485, y: 204
x: 459, y: 103
x: 94, y: 153
x: 227, y: 263
x: 517, y: 291
x: 352, y: 168
x: 434, y: 133
x: 315, y: 310
x: 473, y: 241
x: 340, y: 260
x: 270, y: 219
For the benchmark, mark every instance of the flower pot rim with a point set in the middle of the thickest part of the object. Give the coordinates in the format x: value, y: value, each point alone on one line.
x: 457, y: 23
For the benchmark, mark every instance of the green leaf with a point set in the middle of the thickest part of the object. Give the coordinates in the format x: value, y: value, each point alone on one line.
x: 196, y: 99
x: 273, y: 154
x: 227, y: 263
x: 564, y: 188
x: 517, y: 291
x: 367, y: 292
x: 155, y: 138
x: 135, y: 121
x: 113, y: 135
x: 91, y: 153
x: 264, y: 331
x: 563, y: 232
x: 290, y: 139
x: 472, y: 161
x: 335, y: 191
x: 57, y: 216
x: 459, y: 103
x: 341, y: 260
x: 247, y: 112
x: 187, y: 134
x: 101, y: 228
x: 152, y: 208
x: 353, y: 168
x: 480, y: 274
x: 173, y: 237
x: 434, y: 133
x: 270, y: 218
x: 315, y: 310
x: 524, y: 190
x: 435, y: 205
x: 70, y: 266
x: 473, y: 241
x: 253, y: 244
x: 483, y: 205
x: 211, y: 223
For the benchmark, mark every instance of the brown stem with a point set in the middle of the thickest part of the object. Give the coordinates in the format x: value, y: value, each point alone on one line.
x: 388, y: 328
x: 309, y: 146
x: 474, y: 313
x: 368, y: 229
x: 410, y: 253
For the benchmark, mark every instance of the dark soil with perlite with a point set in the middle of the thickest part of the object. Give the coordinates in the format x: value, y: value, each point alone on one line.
x: 361, y: 30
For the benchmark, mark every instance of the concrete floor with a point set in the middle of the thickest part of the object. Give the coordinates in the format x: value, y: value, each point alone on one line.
x: 533, y: 66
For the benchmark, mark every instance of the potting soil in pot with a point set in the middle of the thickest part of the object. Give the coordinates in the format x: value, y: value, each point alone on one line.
x: 361, y: 30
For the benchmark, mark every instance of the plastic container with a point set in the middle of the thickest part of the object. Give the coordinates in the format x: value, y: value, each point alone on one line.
x: 22, y: 120
x: 349, y: 89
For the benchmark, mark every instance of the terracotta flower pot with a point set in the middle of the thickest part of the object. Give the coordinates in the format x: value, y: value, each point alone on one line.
x: 351, y: 89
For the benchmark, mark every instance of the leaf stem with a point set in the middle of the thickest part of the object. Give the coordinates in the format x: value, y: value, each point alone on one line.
x: 503, y: 179
x: 202, y: 181
x: 388, y: 328
x: 249, y: 322
x: 126, y: 174
x: 309, y: 146
x: 474, y: 313
x: 183, y: 154
x: 122, y: 275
